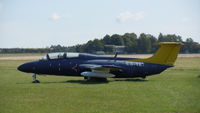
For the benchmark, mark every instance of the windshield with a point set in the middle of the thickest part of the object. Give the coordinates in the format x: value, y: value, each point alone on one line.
x: 56, y: 55
x: 60, y: 55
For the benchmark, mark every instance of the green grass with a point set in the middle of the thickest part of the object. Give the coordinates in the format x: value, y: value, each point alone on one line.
x: 21, y: 54
x: 175, y: 90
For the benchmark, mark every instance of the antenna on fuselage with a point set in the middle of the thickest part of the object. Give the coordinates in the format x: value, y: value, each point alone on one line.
x: 118, y: 49
x: 116, y: 53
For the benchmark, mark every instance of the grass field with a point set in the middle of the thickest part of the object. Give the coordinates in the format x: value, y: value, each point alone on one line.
x: 175, y: 90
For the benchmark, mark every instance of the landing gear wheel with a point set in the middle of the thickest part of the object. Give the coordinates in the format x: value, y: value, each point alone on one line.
x: 100, y: 79
x: 86, y: 78
x: 95, y: 79
x: 143, y: 77
x: 36, y: 81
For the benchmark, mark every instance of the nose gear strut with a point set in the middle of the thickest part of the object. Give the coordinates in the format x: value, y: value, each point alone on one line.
x: 34, y: 79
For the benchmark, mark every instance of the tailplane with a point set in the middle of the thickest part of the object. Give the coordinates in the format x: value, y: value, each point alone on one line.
x: 166, y: 54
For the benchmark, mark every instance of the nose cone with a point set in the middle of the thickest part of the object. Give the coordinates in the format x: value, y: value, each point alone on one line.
x: 21, y: 67
x: 29, y: 67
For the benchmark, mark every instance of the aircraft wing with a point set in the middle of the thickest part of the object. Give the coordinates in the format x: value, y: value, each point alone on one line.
x: 101, y: 71
x: 99, y: 67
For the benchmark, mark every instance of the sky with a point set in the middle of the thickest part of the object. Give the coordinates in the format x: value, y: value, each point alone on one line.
x: 42, y: 23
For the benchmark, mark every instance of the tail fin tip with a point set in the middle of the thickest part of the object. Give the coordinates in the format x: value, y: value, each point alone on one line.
x: 170, y: 43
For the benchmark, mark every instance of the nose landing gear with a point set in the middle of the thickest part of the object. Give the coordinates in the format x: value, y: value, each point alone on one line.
x: 34, y: 79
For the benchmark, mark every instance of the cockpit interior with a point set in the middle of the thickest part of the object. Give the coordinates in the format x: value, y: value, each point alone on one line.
x: 60, y: 55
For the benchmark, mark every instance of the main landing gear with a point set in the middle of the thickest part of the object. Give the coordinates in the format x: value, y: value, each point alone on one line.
x: 95, y: 79
x: 34, y: 79
x: 143, y: 77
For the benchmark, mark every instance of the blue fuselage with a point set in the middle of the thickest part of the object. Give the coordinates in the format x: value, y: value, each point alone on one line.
x: 70, y: 66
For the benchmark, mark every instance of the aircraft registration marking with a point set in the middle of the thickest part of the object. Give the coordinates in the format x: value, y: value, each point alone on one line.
x: 140, y: 64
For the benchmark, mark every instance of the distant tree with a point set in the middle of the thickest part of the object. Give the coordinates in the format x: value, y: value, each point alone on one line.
x: 79, y: 48
x: 109, y: 49
x: 117, y: 40
x: 144, y: 44
x: 98, y: 45
x: 107, y: 40
x: 190, y: 46
x: 88, y: 47
x: 154, y: 43
x: 57, y: 48
x: 130, y: 42
x: 179, y: 39
x: 189, y: 40
x: 160, y: 38
x: 95, y: 45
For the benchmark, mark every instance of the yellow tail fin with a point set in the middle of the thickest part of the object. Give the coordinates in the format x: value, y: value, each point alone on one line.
x: 165, y: 55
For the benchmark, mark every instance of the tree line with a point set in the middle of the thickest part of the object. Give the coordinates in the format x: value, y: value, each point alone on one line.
x: 144, y: 43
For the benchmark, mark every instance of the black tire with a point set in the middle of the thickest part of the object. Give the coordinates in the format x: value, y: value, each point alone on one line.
x: 95, y: 79
x: 36, y: 81
x: 143, y: 77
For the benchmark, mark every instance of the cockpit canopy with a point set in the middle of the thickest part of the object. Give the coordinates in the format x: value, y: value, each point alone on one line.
x: 60, y: 55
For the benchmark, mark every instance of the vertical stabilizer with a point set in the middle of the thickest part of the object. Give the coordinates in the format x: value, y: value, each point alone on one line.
x: 166, y: 54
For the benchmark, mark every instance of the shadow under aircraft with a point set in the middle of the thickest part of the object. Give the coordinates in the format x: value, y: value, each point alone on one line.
x: 99, y: 68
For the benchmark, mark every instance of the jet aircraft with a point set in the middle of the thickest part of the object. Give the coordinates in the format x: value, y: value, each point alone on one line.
x: 93, y: 67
